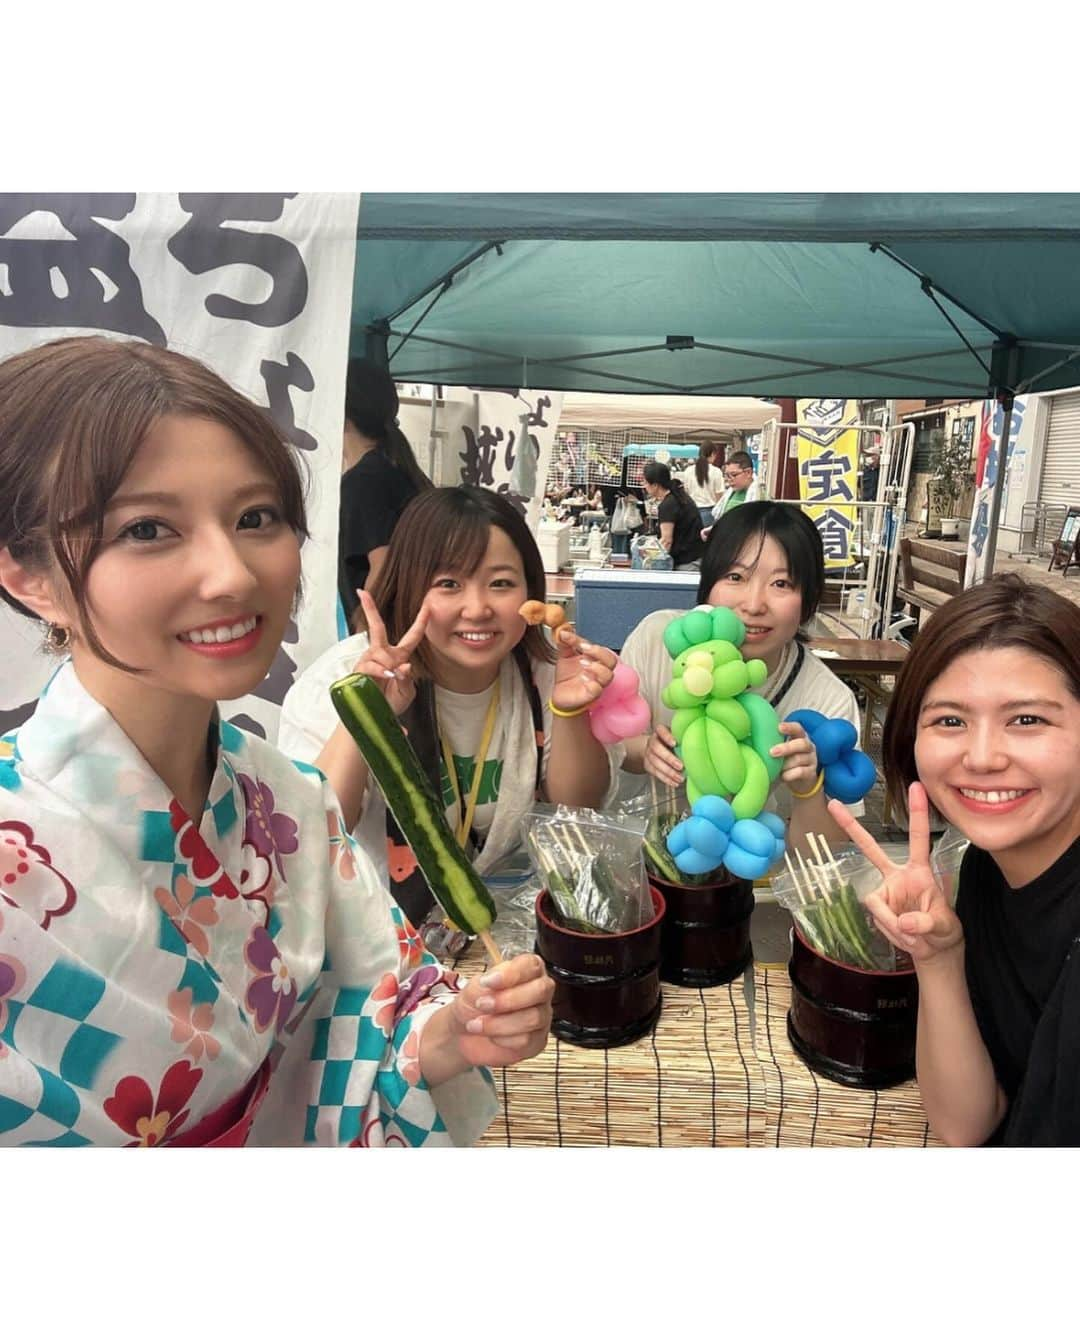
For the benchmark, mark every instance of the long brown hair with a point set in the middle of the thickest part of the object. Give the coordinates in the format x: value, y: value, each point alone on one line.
x: 448, y: 529
x: 73, y: 414
x: 703, y: 463
x: 1005, y: 612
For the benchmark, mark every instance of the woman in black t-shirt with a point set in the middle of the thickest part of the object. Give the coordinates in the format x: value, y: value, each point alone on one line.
x: 985, y: 725
x: 680, y: 520
x: 380, y: 477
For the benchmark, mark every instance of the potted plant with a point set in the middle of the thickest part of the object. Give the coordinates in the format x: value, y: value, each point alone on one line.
x: 951, y: 459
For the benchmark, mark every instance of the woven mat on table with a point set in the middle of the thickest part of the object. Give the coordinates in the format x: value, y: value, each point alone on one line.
x: 693, y: 1082
x: 805, y: 1109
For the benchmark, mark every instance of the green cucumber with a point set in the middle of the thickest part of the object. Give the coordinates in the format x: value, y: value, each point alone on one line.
x: 370, y: 721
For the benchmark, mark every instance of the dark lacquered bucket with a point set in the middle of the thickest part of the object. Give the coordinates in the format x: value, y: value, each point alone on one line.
x: 855, y: 1027
x: 607, y: 986
x: 706, y: 932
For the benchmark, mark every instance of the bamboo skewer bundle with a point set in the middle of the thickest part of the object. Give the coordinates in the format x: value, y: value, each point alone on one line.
x: 830, y: 915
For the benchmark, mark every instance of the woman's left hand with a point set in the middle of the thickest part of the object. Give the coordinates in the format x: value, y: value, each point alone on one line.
x: 582, y: 671
x: 800, y: 770
x: 503, y: 1016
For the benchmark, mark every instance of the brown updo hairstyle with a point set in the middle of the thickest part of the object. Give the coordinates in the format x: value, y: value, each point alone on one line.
x: 73, y: 414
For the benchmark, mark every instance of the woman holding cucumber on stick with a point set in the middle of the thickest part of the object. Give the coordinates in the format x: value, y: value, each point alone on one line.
x: 765, y: 561
x: 984, y: 725
x: 493, y: 712
x: 193, y: 951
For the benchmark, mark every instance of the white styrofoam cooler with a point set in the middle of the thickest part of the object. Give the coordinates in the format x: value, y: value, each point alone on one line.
x: 553, y: 540
x: 608, y: 604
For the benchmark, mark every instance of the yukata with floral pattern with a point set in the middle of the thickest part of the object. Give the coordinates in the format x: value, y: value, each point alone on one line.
x: 150, y: 968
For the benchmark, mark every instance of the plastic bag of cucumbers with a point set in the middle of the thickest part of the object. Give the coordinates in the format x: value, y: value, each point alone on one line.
x: 591, y: 866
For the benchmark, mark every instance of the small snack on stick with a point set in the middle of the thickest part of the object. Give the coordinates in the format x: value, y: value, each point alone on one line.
x: 547, y: 614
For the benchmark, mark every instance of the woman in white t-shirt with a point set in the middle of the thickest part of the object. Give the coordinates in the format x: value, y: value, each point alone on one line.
x: 704, y: 483
x: 476, y: 688
x: 765, y: 561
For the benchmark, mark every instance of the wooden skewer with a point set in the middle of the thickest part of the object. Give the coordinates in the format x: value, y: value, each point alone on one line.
x: 794, y: 878
x: 812, y: 885
x: 492, y: 947
x: 837, y: 875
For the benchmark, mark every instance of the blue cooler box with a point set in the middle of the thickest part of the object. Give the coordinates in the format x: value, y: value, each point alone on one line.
x: 608, y: 604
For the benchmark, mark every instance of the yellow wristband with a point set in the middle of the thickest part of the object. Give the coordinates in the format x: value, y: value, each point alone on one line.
x: 569, y: 713
x: 805, y: 795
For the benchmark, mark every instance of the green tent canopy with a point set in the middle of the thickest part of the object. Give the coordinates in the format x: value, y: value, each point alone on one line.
x: 869, y: 295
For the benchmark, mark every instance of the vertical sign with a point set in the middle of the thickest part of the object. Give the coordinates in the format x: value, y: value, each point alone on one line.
x: 986, y: 466
x: 828, y: 448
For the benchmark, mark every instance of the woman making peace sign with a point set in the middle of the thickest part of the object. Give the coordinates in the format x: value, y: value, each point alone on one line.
x: 494, y: 714
x: 986, y: 715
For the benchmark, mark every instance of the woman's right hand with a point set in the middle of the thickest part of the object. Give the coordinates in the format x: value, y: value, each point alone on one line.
x: 909, y: 907
x: 661, y: 761
x: 389, y: 665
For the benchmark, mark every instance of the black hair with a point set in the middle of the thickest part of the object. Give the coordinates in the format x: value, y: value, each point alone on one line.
x: 654, y: 471
x: 741, y: 458
x: 703, y: 463
x: 753, y: 522
x: 371, y: 406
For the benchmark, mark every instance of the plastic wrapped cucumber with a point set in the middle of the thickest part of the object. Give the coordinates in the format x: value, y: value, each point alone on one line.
x: 370, y: 721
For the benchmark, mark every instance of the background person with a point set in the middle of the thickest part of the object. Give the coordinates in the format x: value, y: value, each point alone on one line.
x: 742, y: 484
x: 380, y: 477
x: 703, y: 482
x: 680, y: 523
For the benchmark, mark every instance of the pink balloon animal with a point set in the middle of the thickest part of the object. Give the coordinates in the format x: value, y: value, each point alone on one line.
x: 620, y: 712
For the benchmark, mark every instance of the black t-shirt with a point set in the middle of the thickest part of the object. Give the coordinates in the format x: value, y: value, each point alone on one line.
x: 1016, y: 943
x: 686, y: 544
x: 374, y: 492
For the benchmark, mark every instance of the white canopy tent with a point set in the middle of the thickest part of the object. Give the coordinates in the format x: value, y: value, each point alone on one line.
x: 671, y: 414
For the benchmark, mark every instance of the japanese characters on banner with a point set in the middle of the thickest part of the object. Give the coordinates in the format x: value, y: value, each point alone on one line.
x: 507, y: 447
x: 258, y: 286
x: 986, y: 469
x: 828, y: 451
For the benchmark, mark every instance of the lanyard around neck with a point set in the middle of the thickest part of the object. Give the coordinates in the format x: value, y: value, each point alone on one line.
x: 468, y: 809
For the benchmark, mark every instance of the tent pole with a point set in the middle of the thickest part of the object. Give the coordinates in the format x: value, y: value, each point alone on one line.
x: 1005, y: 399
x: 376, y: 337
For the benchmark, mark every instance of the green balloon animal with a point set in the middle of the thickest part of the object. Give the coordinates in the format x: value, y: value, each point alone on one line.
x: 724, y: 733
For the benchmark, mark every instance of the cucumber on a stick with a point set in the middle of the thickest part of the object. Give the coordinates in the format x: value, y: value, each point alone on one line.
x: 370, y: 721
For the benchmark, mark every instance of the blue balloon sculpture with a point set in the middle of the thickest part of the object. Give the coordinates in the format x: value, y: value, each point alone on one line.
x: 849, y: 774
x: 711, y: 836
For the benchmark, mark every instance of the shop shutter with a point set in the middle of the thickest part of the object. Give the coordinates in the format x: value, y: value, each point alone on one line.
x: 1060, y: 484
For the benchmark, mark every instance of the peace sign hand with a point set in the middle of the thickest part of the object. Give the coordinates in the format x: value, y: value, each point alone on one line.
x: 387, y: 664
x: 909, y: 907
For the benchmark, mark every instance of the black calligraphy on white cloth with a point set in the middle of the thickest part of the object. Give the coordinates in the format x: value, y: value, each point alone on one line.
x: 84, y: 280
x: 207, y: 242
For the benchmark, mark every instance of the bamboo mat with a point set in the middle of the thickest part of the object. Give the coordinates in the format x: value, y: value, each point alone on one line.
x: 695, y: 1081
x: 805, y: 1109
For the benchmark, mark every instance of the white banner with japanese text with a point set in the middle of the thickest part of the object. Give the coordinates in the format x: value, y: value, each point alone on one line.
x: 259, y: 286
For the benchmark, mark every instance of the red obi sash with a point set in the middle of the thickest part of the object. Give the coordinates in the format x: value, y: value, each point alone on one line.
x: 230, y: 1123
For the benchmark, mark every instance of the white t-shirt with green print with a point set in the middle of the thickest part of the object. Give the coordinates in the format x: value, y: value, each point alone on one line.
x: 461, y: 722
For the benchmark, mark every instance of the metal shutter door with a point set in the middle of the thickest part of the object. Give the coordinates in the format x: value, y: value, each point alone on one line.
x: 1060, y: 484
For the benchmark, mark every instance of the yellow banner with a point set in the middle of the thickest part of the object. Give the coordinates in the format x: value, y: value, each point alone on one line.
x: 828, y: 456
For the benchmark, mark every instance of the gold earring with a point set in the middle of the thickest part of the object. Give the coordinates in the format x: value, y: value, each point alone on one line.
x: 57, y: 639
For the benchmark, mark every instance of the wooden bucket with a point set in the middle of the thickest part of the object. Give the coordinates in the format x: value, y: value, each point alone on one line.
x: 607, y: 986
x: 854, y: 1027
x: 706, y: 932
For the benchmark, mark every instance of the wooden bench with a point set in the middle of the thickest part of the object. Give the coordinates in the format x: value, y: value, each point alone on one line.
x: 930, y: 574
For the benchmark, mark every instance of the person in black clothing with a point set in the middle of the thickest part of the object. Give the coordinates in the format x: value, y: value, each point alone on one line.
x: 680, y: 520
x: 985, y: 725
x: 379, y: 479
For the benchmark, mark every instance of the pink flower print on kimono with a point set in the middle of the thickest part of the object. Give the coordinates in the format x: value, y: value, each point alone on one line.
x: 151, y: 1118
x: 342, y: 859
x: 192, y: 916
x: 28, y: 878
x: 12, y: 979
x: 191, y: 1025
x: 203, y: 866
x: 269, y: 832
x: 408, y: 1063
x: 271, y: 995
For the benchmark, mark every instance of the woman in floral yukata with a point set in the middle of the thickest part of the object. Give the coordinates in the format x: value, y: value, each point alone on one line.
x: 192, y: 949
